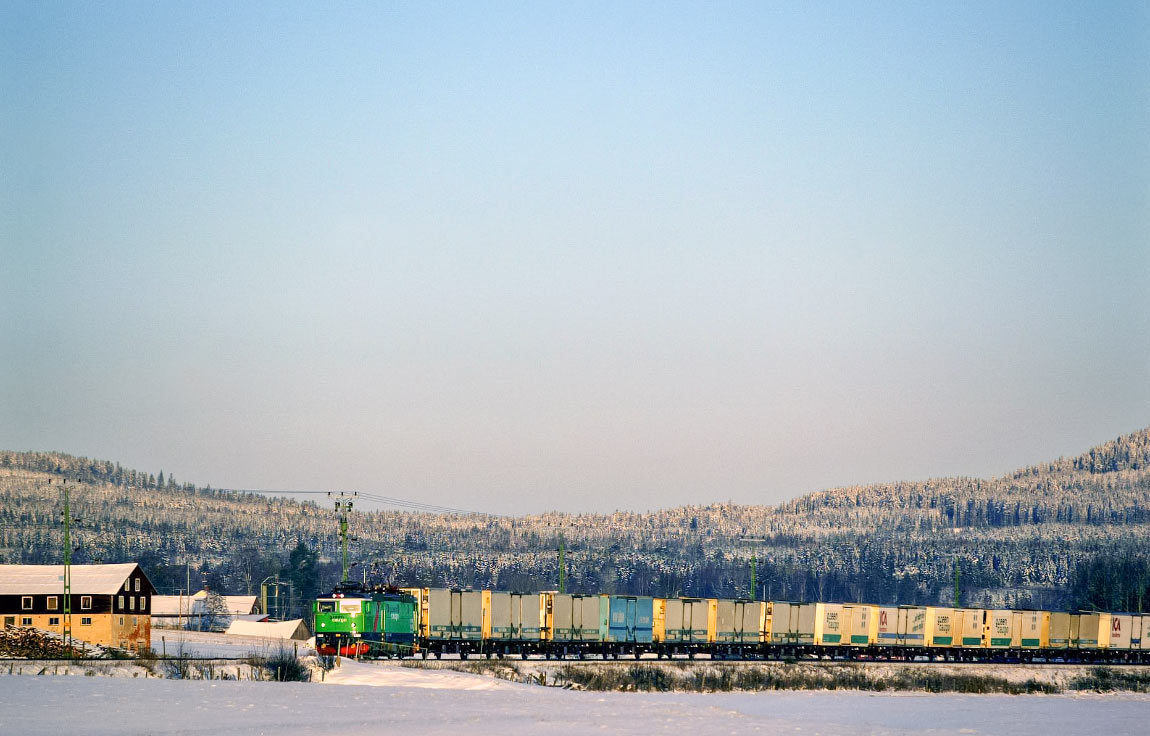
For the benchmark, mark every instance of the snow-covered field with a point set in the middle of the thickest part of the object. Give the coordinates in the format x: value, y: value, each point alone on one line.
x: 373, y: 699
x: 210, y: 644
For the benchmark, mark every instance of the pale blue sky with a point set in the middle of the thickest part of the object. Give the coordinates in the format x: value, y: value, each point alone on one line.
x: 587, y: 256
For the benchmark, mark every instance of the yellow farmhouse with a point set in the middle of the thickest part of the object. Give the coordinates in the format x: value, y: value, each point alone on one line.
x: 111, y: 604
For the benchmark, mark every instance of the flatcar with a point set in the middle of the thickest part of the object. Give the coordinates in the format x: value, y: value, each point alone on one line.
x: 354, y: 621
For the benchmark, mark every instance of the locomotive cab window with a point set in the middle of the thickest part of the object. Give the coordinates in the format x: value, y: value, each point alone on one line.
x: 327, y: 606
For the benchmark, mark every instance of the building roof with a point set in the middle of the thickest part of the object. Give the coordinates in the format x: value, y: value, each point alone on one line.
x: 86, y: 579
x: 238, y: 605
x: 295, y: 629
x: 196, y: 605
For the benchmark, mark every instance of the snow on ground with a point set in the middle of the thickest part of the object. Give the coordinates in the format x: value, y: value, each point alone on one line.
x: 377, y: 674
x: 211, y: 644
x: 436, y: 702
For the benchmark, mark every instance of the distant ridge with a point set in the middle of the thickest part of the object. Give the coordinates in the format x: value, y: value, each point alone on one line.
x: 1017, y: 540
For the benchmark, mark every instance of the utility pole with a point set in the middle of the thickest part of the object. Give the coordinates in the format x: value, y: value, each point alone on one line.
x: 562, y: 565
x: 343, y: 506
x: 67, y: 567
x: 753, y: 561
x: 956, y: 589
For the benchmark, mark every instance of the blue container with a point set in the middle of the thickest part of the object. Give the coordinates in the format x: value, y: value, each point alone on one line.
x: 630, y: 619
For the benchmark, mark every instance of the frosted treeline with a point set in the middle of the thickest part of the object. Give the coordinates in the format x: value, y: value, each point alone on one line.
x: 1016, y: 540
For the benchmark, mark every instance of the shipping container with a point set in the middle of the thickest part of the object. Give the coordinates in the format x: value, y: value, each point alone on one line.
x: 862, y: 624
x: 1000, y: 629
x: 690, y: 620
x: 1059, y: 630
x: 784, y: 618
x: 973, y: 627
x: 886, y: 632
x: 659, y: 620
x: 1093, y: 631
x: 1121, y: 629
x: 805, y: 628
x: 629, y: 618
x: 1140, y: 639
x: 829, y: 624
x: 458, y: 614
x: 940, y: 627
x: 912, y: 625
x: 1032, y: 629
x: 577, y: 618
x: 739, y: 621
x: 517, y: 616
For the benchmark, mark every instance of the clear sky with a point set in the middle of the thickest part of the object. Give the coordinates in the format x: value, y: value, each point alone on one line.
x: 576, y: 256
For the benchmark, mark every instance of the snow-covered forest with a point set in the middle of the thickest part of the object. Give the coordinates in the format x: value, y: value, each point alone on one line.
x: 1071, y: 532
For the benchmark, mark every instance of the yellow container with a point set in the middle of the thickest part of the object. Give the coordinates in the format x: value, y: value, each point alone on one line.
x: 862, y: 624
x: 972, y: 627
x: 830, y: 625
x: 659, y: 620
x: 1032, y: 629
x: 1059, y: 630
x: 941, y: 628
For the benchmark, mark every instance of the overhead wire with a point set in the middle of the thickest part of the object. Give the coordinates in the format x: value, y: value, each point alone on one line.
x: 378, y: 498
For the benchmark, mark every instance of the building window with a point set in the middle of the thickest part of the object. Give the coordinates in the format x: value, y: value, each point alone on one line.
x: 26, y: 603
x: 54, y: 621
x: 120, y: 602
x: 127, y: 585
x: 143, y: 603
x: 53, y: 601
x: 137, y: 585
x: 26, y: 621
x: 85, y: 620
x: 85, y: 602
x: 121, y: 620
x: 132, y: 602
x: 134, y: 623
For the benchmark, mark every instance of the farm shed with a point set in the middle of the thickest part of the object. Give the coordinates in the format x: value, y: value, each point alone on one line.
x: 295, y: 629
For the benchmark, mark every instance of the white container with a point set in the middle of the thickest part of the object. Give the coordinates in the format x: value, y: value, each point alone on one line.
x: 738, y: 621
x: 886, y: 633
x: 1121, y: 630
x: 912, y: 625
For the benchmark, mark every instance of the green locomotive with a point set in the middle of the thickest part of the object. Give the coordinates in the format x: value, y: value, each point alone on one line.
x: 356, y: 621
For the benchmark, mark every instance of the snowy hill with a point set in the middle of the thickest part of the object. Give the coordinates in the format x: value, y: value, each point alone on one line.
x: 1019, y: 540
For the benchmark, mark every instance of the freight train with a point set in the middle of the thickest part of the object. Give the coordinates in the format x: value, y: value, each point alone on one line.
x: 355, y: 621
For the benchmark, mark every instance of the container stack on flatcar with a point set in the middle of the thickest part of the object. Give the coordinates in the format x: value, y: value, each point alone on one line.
x: 355, y: 621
